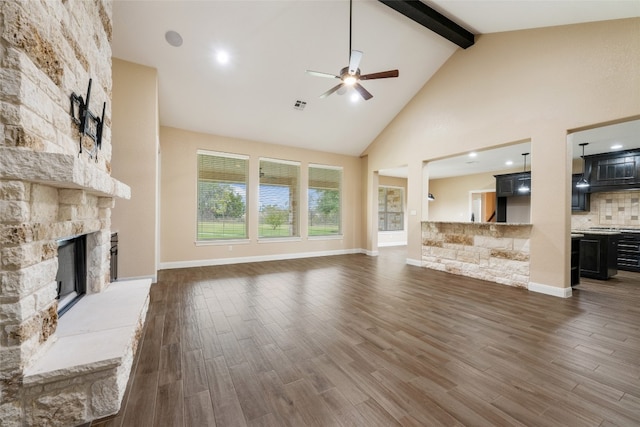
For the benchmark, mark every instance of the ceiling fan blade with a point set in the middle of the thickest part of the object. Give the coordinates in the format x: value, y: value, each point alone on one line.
x: 354, y: 61
x: 320, y: 74
x: 363, y: 92
x: 381, y: 75
x: 330, y: 91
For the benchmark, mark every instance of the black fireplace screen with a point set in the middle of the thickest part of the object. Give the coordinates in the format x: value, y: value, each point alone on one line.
x: 72, y: 272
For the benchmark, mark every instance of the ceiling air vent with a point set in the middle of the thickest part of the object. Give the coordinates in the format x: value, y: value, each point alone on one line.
x: 299, y: 105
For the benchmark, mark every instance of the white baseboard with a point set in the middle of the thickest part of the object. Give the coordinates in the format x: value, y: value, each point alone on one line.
x: 370, y: 253
x: 260, y: 258
x: 550, y: 290
x: 387, y: 244
x: 414, y: 262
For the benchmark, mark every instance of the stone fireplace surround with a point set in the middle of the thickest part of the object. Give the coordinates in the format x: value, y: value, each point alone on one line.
x: 75, y: 367
x: 58, y: 371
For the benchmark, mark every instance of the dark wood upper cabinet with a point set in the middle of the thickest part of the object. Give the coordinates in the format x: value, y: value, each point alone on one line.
x: 580, y: 197
x: 613, y: 171
x: 508, y: 184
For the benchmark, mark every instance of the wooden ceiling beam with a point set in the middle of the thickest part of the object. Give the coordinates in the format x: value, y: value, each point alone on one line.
x: 433, y: 20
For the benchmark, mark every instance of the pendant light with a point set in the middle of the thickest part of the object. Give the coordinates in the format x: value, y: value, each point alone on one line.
x: 582, y: 182
x: 524, y: 188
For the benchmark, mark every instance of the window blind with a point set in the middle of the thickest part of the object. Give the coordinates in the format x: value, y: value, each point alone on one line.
x: 222, y: 196
x: 279, y: 198
x: 325, y: 200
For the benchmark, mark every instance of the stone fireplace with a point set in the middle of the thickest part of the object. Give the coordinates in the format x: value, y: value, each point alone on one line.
x: 50, y: 192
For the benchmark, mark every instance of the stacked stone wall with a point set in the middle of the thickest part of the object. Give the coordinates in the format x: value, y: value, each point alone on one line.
x: 48, y: 50
x: 494, y: 252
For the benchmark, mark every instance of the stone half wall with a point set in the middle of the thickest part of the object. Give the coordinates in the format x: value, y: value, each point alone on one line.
x: 48, y: 190
x: 496, y: 252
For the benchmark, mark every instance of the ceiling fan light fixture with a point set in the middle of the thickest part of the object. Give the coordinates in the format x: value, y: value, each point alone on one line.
x: 349, y: 80
x: 350, y: 75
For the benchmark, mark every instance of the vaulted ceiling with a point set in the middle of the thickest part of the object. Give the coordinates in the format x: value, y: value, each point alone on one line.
x: 271, y: 43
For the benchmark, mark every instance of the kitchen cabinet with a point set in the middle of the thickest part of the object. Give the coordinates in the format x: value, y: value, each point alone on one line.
x: 613, y: 171
x: 599, y: 255
x: 508, y: 184
x: 580, y: 197
x: 629, y: 251
x: 575, y: 259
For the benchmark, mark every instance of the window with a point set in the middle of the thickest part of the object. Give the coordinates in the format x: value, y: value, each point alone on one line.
x: 278, y: 201
x: 390, y: 209
x: 325, y: 200
x: 222, y: 196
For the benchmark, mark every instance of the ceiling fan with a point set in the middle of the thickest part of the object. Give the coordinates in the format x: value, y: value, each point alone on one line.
x: 350, y: 76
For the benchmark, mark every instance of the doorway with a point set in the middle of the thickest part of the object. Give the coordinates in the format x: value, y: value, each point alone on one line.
x: 482, y: 206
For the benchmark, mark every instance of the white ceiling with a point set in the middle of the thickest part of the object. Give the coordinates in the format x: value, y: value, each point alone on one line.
x: 271, y: 43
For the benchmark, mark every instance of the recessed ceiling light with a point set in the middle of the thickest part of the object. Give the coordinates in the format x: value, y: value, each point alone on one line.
x: 616, y: 146
x: 508, y: 162
x: 173, y: 38
x: 473, y: 154
x: 222, y: 57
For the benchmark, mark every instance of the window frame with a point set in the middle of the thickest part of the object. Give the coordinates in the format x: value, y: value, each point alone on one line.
x: 296, y: 235
x: 386, y: 211
x: 340, y: 233
x: 247, y: 214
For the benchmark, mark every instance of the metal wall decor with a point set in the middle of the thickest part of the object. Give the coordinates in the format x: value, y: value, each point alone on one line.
x: 88, y: 123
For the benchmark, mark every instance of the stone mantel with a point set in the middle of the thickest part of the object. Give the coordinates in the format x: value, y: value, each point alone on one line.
x: 59, y: 170
x: 498, y: 252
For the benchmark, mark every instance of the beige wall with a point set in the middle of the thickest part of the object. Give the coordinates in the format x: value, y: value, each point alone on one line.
x: 452, y: 195
x: 525, y: 85
x: 135, y: 161
x: 178, y: 202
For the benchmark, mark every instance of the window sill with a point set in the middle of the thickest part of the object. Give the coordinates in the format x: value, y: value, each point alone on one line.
x: 222, y: 242
x: 278, y: 239
x: 327, y: 237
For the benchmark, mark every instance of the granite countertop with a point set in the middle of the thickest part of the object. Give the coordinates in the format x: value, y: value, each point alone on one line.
x: 598, y: 232
x: 500, y: 224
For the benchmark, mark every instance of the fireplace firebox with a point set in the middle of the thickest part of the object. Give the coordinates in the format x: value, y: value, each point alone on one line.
x: 72, y: 272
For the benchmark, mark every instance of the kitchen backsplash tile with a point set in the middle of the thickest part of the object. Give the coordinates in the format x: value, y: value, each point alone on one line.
x: 620, y: 208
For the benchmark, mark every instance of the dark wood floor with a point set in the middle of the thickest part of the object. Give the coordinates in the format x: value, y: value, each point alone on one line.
x: 370, y: 341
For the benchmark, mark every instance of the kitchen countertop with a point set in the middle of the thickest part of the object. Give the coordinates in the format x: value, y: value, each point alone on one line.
x: 598, y: 232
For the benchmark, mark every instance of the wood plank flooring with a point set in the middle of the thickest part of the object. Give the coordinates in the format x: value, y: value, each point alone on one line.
x: 370, y: 341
